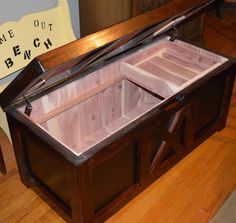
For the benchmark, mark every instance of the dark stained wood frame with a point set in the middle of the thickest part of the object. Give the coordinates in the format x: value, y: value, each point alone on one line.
x: 140, y: 135
x: 79, y: 169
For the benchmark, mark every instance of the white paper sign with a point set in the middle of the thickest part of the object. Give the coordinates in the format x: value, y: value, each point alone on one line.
x: 33, y: 35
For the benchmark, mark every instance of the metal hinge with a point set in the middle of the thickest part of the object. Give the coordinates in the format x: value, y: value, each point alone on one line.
x: 174, y: 35
x: 28, y: 107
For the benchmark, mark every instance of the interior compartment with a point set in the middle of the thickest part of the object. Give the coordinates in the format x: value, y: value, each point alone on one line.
x: 100, y: 115
x: 174, y: 65
x: 90, y: 109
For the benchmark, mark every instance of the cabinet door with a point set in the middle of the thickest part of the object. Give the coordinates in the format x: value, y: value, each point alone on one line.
x: 211, y: 106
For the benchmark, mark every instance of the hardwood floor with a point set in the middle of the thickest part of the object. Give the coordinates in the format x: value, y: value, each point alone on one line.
x: 191, y: 192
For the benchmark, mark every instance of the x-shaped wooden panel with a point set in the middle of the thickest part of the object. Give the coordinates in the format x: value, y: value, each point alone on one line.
x: 170, y: 139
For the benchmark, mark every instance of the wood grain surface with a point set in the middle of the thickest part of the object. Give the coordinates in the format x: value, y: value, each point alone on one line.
x: 79, y: 47
x: 192, y: 191
x: 93, y: 18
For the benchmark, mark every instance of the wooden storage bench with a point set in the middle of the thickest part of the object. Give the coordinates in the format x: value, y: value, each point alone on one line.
x: 93, y: 132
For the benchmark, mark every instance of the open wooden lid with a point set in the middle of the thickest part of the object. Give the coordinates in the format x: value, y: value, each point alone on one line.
x: 76, y: 57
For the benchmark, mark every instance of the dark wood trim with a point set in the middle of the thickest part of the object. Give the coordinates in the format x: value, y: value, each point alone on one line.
x: 229, y: 85
x: 81, y: 192
x: 3, y: 169
x: 19, y: 151
x: 191, y: 118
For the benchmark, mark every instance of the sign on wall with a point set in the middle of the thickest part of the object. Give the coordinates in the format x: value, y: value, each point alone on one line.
x: 33, y: 35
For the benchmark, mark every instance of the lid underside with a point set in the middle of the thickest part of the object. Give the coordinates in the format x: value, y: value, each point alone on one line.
x: 35, y: 78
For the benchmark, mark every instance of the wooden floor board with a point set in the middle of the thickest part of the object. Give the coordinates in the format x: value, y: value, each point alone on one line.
x: 191, y: 192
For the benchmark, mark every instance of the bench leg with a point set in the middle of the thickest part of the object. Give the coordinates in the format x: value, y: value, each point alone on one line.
x: 3, y: 169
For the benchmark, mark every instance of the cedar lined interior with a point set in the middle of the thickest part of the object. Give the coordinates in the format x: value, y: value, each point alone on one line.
x: 89, y: 110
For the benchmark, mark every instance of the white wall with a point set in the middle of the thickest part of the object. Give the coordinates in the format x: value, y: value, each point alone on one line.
x: 75, y: 19
x: 13, y: 10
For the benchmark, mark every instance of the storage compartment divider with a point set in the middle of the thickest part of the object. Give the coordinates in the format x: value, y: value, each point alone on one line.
x: 173, y: 68
x: 197, y: 51
x: 167, y: 67
x: 152, y: 82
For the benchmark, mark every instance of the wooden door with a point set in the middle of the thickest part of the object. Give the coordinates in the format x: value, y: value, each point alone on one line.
x: 97, y: 15
x: 141, y: 6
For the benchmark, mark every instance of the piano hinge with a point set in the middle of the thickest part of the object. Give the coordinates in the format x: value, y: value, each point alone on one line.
x: 28, y: 107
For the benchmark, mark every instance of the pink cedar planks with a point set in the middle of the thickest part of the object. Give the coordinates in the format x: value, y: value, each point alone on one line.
x: 153, y: 67
x: 148, y: 80
x: 96, y: 118
x: 90, y: 109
